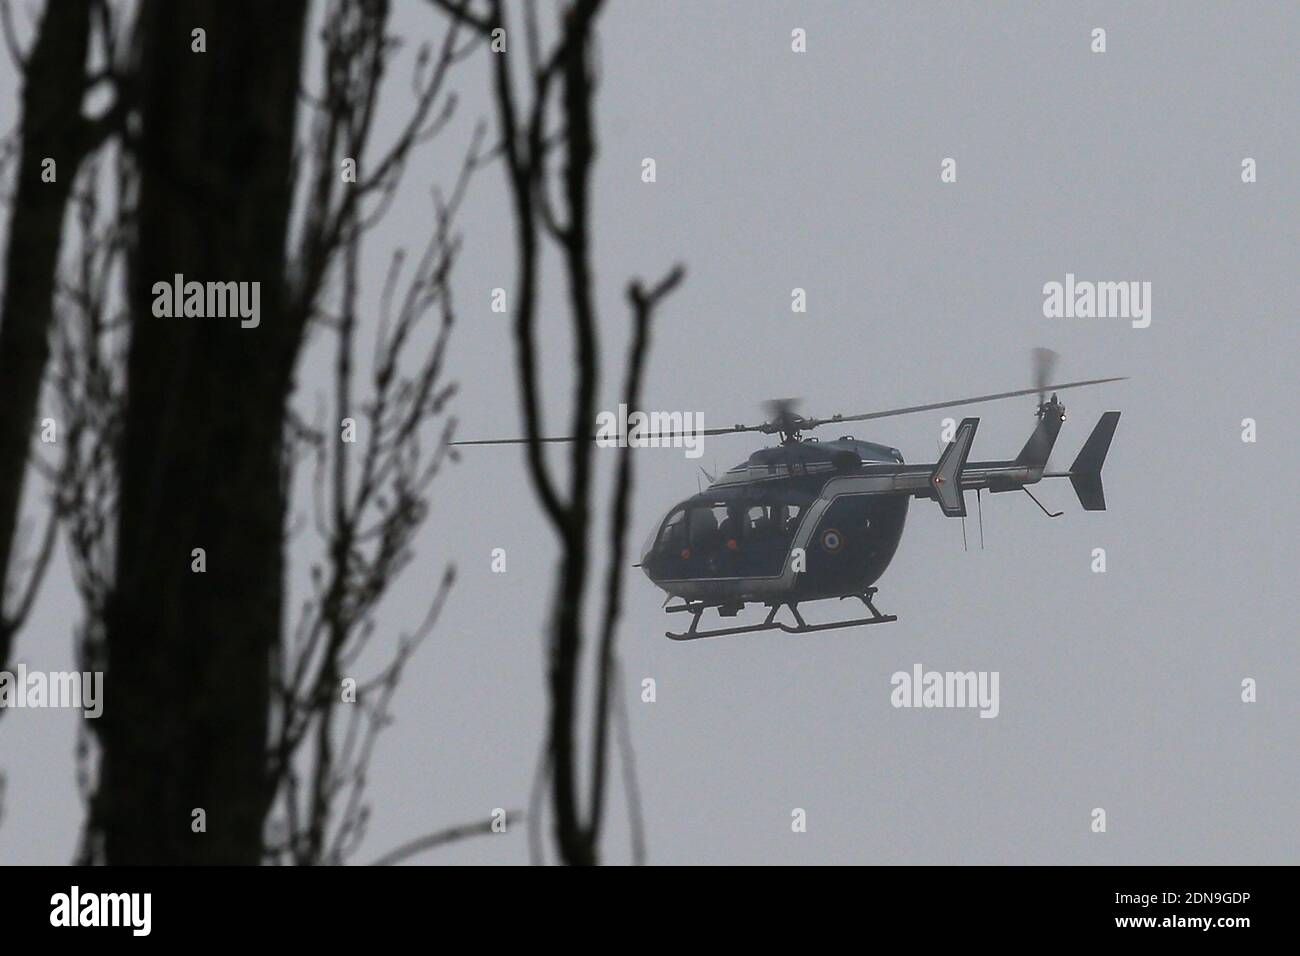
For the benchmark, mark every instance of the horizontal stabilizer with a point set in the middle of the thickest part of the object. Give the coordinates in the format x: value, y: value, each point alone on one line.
x: 1085, y: 473
x: 946, y: 478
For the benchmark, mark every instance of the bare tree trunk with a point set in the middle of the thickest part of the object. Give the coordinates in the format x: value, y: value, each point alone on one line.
x: 187, y: 654
x: 52, y: 127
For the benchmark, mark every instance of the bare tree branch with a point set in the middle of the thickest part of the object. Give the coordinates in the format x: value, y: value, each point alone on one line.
x: 370, y: 491
x: 643, y: 304
x: 562, y: 80
x: 437, y: 839
x: 52, y: 125
x: 636, y: 817
x: 11, y: 36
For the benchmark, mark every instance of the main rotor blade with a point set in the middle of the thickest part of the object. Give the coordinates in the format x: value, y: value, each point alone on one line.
x: 803, y: 423
x: 507, y: 441
x: 814, y: 422
x: 641, y: 437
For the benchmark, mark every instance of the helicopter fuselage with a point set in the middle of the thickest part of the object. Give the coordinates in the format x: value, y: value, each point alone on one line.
x: 809, y: 520
x: 801, y: 521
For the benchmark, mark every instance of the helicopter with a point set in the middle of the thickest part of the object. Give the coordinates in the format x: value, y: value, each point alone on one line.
x: 809, y: 520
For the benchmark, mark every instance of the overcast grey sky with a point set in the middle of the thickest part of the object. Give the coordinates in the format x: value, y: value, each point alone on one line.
x: 821, y: 170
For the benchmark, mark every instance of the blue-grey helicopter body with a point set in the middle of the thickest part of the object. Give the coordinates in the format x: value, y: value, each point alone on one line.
x: 810, y: 520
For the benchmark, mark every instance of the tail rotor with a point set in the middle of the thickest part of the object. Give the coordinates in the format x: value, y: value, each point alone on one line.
x: 1044, y: 361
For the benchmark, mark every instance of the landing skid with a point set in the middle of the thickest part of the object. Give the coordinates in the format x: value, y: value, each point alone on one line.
x: 800, y: 626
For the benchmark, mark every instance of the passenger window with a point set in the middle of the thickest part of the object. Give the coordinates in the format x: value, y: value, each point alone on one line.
x: 793, y: 514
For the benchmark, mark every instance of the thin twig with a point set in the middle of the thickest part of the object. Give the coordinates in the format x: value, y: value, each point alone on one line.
x: 437, y: 839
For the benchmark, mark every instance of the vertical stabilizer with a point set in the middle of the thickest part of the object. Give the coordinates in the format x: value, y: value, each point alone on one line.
x: 1085, y: 473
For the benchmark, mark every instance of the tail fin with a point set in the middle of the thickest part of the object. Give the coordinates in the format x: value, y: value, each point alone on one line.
x: 1085, y: 473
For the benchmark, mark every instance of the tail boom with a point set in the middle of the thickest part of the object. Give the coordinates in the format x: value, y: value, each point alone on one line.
x: 944, y: 481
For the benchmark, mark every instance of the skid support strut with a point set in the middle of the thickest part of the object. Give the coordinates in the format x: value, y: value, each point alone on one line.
x: 770, y: 623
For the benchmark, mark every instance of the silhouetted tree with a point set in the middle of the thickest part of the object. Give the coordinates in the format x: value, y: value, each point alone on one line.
x: 369, y: 488
x: 54, y: 137
x: 188, y: 654
x: 182, y: 434
x: 561, y: 79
